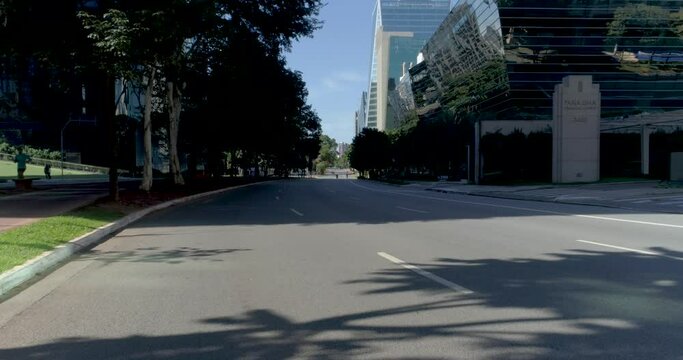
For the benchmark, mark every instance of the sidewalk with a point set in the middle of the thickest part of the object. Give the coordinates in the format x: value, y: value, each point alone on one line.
x: 52, y: 183
x: 50, y: 198
x: 646, y: 195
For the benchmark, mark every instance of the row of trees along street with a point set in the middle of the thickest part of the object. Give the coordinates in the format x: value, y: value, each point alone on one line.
x: 211, y: 76
x: 418, y: 149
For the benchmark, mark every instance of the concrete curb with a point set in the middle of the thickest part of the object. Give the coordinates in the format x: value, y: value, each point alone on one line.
x: 48, y: 260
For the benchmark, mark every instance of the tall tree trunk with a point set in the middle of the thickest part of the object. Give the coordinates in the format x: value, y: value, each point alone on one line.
x: 147, y: 174
x: 174, y: 109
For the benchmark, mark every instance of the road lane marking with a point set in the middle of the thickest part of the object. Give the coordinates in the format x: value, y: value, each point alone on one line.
x: 453, y: 286
x: 413, y: 210
x: 354, y: 198
x: 677, y: 203
x: 523, y: 208
x: 620, y: 248
x: 626, y: 221
x: 650, y: 198
x: 296, y: 212
x: 632, y: 250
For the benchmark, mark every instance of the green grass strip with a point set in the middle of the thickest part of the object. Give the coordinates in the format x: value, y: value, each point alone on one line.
x: 8, y: 170
x: 26, y: 242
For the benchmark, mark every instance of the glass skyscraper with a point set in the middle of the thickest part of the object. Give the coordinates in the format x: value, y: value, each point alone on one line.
x: 502, y: 58
x: 401, y: 29
x: 498, y: 61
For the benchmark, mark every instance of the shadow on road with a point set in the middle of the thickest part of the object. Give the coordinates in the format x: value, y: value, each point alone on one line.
x: 341, y: 202
x: 158, y: 255
x: 579, y: 304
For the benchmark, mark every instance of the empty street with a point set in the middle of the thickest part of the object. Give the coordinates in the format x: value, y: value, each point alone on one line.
x: 354, y: 269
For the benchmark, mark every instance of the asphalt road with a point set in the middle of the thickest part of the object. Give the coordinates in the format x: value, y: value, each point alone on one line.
x: 326, y: 269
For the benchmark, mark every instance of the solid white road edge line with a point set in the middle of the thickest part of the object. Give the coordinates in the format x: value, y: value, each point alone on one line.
x: 673, y: 197
x: 525, y: 209
x: 296, y: 212
x: 632, y: 250
x: 413, y: 210
x: 453, y: 286
x: 620, y: 248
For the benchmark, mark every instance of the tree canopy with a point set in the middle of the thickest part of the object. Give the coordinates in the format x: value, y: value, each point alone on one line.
x: 371, y: 152
x: 327, y: 156
x: 214, y: 69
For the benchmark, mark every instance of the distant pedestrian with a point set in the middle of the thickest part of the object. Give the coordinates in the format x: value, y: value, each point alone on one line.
x: 21, y: 159
x: 47, y: 171
x: 336, y: 175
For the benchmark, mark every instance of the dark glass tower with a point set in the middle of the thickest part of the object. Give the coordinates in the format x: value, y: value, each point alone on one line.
x: 632, y: 48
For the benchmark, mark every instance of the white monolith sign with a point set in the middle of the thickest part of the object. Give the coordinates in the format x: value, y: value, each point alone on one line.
x: 677, y: 166
x: 576, y: 130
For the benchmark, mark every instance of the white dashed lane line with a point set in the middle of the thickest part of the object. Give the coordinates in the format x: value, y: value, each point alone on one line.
x: 412, y: 210
x: 296, y: 212
x: 453, y: 286
x: 643, y: 252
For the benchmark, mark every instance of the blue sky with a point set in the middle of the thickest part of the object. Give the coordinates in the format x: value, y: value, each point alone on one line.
x: 335, y: 64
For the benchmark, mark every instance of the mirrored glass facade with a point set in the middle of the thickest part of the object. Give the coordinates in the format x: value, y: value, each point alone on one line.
x: 401, y: 29
x: 360, y: 114
x: 501, y: 59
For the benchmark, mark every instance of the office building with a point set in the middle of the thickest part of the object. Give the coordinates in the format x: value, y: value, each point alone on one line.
x: 401, y: 29
x: 361, y: 114
x: 502, y: 59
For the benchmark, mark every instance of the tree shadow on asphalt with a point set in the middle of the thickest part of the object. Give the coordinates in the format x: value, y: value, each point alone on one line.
x: 321, y: 205
x: 157, y: 255
x: 579, y: 304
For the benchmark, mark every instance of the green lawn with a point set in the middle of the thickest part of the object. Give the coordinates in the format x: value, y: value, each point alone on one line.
x: 26, y: 242
x: 8, y: 170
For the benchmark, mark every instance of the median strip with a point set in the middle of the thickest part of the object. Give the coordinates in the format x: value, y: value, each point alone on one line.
x: 453, y: 286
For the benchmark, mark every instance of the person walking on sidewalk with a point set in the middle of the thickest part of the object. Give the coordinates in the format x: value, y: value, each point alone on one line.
x: 47, y: 171
x: 21, y: 160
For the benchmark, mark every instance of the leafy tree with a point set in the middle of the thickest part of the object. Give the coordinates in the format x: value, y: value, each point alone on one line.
x: 343, y: 160
x: 188, y: 44
x: 639, y: 25
x: 216, y: 60
x: 123, y: 50
x: 276, y: 126
x: 371, y: 152
x: 202, y: 28
x: 328, y: 154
